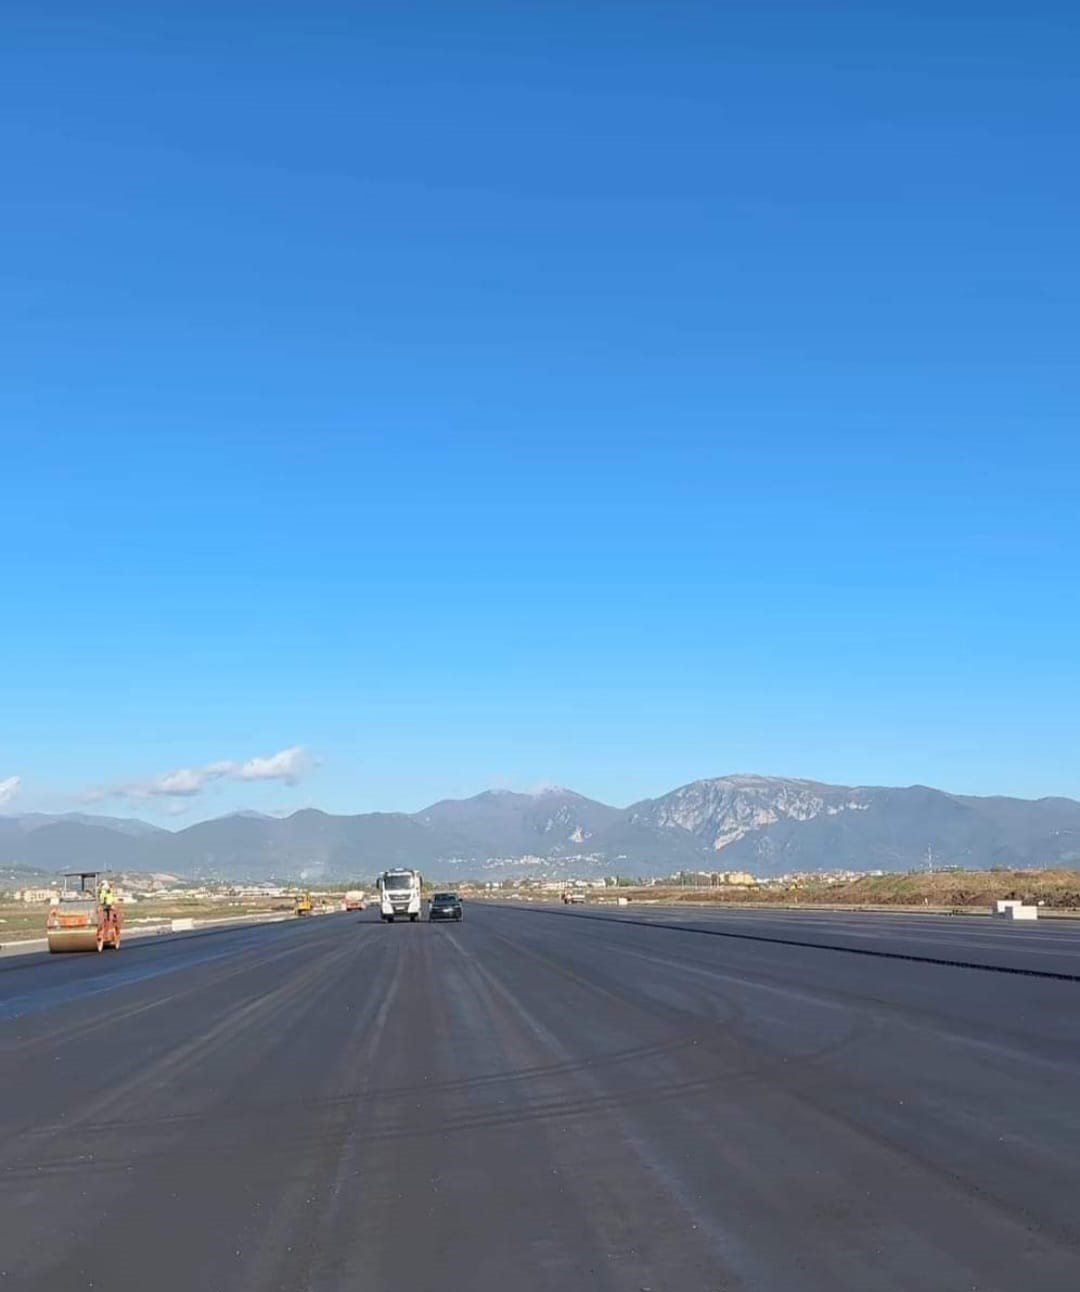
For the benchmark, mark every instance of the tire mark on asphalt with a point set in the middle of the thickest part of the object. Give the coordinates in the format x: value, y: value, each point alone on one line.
x: 876, y: 952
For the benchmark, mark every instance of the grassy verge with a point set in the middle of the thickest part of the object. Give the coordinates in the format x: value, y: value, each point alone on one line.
x: 20, y: 921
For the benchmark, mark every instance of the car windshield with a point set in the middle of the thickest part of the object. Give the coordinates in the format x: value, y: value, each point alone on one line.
x: 444, y: 899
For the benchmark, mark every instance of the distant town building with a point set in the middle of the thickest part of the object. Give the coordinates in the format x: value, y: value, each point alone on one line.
x: 35, y: 894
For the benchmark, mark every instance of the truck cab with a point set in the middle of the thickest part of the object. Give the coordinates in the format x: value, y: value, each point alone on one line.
x: 400, y: 894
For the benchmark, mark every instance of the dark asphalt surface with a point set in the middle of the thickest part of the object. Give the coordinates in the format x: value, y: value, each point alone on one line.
x: 547, y: 1099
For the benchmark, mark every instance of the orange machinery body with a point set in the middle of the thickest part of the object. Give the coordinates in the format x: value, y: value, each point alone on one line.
x: 83, y: 926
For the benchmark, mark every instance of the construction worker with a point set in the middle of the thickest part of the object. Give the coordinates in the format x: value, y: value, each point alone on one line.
x: 105, y: 895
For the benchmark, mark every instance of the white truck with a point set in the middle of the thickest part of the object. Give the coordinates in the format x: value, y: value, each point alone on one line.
x: 399, y: 894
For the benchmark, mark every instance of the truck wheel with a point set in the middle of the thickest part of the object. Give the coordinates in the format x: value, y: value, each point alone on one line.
x: 413, y: 919
x: 389, y: 919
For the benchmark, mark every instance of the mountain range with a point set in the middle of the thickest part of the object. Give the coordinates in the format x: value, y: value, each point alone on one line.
x: 766, y: 825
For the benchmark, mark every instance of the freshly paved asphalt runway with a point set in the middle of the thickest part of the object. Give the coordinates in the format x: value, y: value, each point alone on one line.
x: 547, y: 1099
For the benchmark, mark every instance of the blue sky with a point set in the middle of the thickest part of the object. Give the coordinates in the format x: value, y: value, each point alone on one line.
x: 606, y: 394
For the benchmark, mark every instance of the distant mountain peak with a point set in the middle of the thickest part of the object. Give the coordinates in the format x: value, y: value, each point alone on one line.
x: 540, y: 791
x: 767, y: 825
x: 759, y: 779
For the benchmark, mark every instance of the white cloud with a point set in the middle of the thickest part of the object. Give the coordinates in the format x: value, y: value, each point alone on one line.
x: 9, y: 788
x: 181, y: 782
x: 540, y: 788
x: 287, y: 765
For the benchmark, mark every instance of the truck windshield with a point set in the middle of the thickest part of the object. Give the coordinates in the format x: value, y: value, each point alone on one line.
x: 398, y: 883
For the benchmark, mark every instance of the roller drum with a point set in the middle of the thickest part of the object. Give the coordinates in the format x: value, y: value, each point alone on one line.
x: 74, y: 940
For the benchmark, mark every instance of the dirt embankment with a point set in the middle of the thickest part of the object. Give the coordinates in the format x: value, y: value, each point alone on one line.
x: 1057, y: 889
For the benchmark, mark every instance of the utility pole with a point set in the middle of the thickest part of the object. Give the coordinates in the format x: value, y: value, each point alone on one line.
x: 930, y: 858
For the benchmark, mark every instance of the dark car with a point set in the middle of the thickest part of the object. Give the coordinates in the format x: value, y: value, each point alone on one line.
x: 445, y: 906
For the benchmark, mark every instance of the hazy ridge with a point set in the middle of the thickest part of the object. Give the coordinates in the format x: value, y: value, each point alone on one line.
x: 763, y: 824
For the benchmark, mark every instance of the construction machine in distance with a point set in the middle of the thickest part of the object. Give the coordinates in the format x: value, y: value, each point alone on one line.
x: 79, y: 921
x: 304, y: 904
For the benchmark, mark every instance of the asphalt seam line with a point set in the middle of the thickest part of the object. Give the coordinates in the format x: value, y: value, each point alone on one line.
x: 813, y: 946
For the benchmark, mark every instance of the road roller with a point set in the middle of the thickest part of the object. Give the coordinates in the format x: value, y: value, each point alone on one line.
x: 80, y: 921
